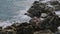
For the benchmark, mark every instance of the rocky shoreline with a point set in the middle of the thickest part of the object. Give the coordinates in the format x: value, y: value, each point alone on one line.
x: 44, y: 20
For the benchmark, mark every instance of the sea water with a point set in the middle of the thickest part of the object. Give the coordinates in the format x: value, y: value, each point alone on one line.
x: 12, y: 11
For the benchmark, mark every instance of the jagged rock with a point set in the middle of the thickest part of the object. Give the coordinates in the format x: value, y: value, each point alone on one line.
x: 50, y: 22
x: 43, y: 32
x: 35, y: 10
x: 35, y: 21
x: 25, y: 28
x: 57, y: 7
x: 54, y: 2
x: 39, y: 8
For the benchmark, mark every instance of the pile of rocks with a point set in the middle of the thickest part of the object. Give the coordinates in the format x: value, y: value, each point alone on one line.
x: 43, y: 18
x: 50, y: 21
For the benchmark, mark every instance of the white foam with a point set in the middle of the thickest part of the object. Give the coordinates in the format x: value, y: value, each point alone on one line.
x: 4, y: 24
x: 45, y: 1
x: 58, y: 28
x: 57, y: 13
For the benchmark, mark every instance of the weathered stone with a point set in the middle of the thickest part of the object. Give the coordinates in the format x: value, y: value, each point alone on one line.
x: 54, y: 2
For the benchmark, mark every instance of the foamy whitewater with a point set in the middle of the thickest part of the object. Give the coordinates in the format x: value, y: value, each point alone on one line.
x: 12, y: 11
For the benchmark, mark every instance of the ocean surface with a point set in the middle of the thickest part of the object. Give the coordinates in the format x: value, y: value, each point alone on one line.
x: 12, y: 11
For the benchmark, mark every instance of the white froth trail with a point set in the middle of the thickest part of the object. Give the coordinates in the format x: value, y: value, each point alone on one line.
x: 57, y: 13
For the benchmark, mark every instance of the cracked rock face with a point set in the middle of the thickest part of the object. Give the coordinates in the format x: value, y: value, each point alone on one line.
x: 39, y: 7
x: 56, y: 5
